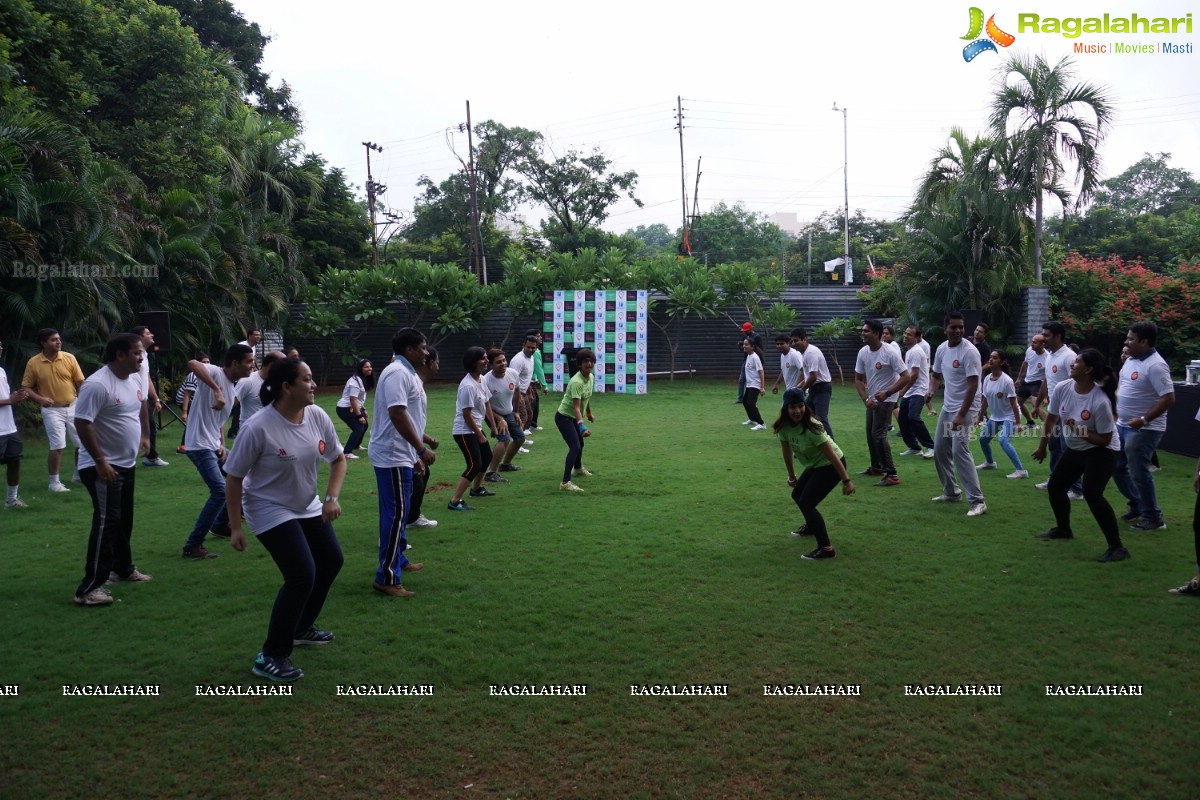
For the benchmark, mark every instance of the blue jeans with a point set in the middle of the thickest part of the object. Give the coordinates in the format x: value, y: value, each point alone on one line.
x: 988, y: 433
x: 358, y: 429
x: 912, y: 426
x: 213, y: 514
x: 1133, y: 476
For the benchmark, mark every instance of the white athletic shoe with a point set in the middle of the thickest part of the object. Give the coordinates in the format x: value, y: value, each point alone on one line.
x: 16, y: 502
x: 748, y: 422
x: 1075, y: 495
x: 154, y: 462
x: 987, y: 465
x: 423, y: 521
x: 522, y: 449
x: 927, y: 454
x: 58, y: 487
x: 1018, y: 475
x: 528, y: 440
x: 569, y: 487
x: 948, y: 498
x: 96, y: 597
x: 912, y: 451
x: 1041, y: 485
x: 758, y: 427
x: 977, y: 510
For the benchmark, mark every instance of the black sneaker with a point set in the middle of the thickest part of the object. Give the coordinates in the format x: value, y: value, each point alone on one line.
x: 279, y: 670
x: 1114, y: 554
x: 197, y: 553
x: 494, y: 477
x: 313, y: 635
x: 1131, y: 515
x: 220, y: 531
x: 801, y: 531
x: 510, y: 468
x: 1147, y: 524
x: 1055, y: 533
x: 1191, y: 588
x: 820, y: 554
x: 482, y: 492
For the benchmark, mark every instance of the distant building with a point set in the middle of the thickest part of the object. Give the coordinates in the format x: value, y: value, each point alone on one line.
x: 789, y: 222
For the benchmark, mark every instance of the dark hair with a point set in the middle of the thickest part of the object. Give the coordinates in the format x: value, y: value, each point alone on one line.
x: 431, y: 355
x: 532, y: 333
x: 270, y: 358
x: 368, y: 381
x: 889, y: 329
x: 916, y: 330
x: 251, y: 331
x: 495, y: 351
x: 1004, y: 365
x: 799, y: 333
x: 875, y: 325
x: 795, y: 397
x: 44, y: 334
x: 952, y: 315
x: 201, y: 355
x: 1102, y: 374
x: 472, y: 356
x: 285, y: 370
x: 1146, y: 331
x: 583, y: 355
x: 531, y: 337
x: 406, y: 338
x: 1055, y: 328
x: 236, y: 353
x: 139, y: 330
x: 783, y: 337
x: 982, y: 325
x: 119, y: 345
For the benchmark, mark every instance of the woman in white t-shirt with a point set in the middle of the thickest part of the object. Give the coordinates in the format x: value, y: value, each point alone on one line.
x: 999, y: 413
x: 1085, y: 405
x: 755, y: 380
x: 471, y: 409
x: 271, y: 475
x: 352, y: 407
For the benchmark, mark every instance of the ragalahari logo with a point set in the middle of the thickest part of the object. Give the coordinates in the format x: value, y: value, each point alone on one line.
x: 995, y: 36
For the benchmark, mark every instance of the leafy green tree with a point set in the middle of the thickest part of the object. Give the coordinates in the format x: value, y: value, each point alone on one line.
x: 1052, y: 121
x: 578, y: 190
x: 728, y: 233
x: 684, y: 288
x: 1149, y: 186
x: 330, y: 226
x: 653, y: 240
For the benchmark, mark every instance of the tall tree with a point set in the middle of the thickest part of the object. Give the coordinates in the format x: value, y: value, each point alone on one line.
x: 1151, y: 185
x: 726, y: 234
x: 1052, y: 120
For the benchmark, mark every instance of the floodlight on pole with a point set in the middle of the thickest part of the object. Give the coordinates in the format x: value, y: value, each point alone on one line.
x: 846, y: 178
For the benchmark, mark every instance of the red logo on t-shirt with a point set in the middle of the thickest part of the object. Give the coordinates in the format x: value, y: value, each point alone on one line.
x: 282, y: 453
x: 140, y: 392
x: 1039, y: 366
x: 878, y: 365
x: 956, y: 364
x: 1054, y: 369
x: 1086, y: 415
x: 1133, y: 377
x: 321, y: 446
x: 999, y: 395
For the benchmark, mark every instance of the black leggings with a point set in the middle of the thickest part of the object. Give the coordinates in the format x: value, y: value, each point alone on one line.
x: 750, y: 403
x: 813, y: 486
x: 574, y: 439
x: 358, y: 429
x: 309, y: 556
x: 1096, y: 465
x: 420, y: 480
x: 472, y: 450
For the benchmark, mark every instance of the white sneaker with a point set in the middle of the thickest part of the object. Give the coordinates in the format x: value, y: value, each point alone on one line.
x: 927, y: 454
x: 1075, y: 495
x: 948, y: 498
x: 528, y: 440
x: 1041, y: 485
x: 16, y: 502
x: 529, y: 431
x: 982, y: 467
x: 539, y: 427
x: 1018, y: 475
x: 423, y: 521
x: 58, y: 487
x: 133, y: 577
x: 154, y: 462
x: 912, y: 451
x: 569, y: 487
x: 96, y: 597
x: 977, y: 509
x: 758, y: 427
x: 584, y: 471
x: 522, y: 449
x: 351, y: 456
x: 748, y: 422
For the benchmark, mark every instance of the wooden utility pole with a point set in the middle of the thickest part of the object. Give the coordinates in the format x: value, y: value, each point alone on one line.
x: 372, y: 189
x: 478, y: 260
x: 682, y: 169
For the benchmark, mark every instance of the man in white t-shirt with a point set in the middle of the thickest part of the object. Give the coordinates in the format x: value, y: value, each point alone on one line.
x: 791, y: 365
x: 1029, y: 378
x: 205, y: 441
x: 151, y: 395
x: 1144, y: 395
x: 112, y: 419
x: 817, y: 383
x: 397, y: 450
x: 247, y: 389
x: 500, y: 383
x: 956, y: 365
x: 11, y: 448
x: 912, y: 425
x: 879, y: 372
x: 1057, y: 363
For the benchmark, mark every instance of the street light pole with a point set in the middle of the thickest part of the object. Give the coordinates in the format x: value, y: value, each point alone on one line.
x: 846, y: 178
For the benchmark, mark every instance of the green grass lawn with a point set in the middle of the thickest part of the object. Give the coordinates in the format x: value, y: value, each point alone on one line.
x: 675, y: 567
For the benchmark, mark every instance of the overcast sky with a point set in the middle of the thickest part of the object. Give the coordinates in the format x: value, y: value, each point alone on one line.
x: 758, y: 83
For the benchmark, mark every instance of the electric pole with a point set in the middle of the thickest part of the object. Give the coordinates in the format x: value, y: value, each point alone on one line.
x: 682, y: 168
x: 373, y: 189
x: 478, y: 261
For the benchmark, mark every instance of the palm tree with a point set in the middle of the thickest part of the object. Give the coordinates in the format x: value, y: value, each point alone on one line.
x: 1048, y: 116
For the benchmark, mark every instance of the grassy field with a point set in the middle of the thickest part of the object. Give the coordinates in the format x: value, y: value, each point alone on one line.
x: 675, y: 567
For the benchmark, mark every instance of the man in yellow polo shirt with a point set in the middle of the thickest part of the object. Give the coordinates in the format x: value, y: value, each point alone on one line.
x: 52, y: 378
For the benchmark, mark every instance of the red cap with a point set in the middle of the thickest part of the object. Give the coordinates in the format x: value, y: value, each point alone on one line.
x: 746, y: 326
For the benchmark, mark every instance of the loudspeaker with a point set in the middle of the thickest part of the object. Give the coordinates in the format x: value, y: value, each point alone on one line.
x: 159, y: 323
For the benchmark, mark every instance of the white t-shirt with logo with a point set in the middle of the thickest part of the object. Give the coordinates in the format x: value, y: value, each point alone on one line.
x: 247, y: 394
x: 957, y: 365
x: 354, y: 388
x: 791, y: 367
x: 814, y: 361
x: 881, y: 367
x: 917, y: 359
x: 472, y: 395
x: 999, y: 392
x: 114, y: 407
x: 8, y: 424
x: 1080, y: 414
x: 751, y: 369
x: 398, y: 386
x: 500, y: 390
x: 522, y: 366
x: 204, y: 423
x: 1035, y: 365
x: 277, y: 460
x: 1058, y: 366
x: 1143, y: 381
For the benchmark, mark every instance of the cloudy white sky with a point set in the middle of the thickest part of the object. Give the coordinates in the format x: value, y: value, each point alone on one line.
x: 758, y: 83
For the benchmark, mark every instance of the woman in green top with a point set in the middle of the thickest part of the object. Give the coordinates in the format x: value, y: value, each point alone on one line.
x: 804, y: 440
x: 576, y: 402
